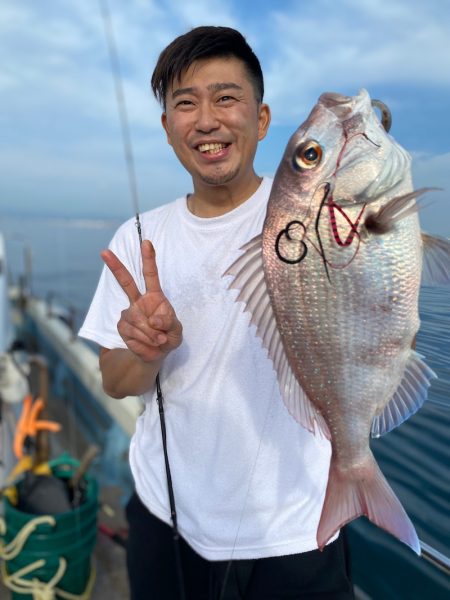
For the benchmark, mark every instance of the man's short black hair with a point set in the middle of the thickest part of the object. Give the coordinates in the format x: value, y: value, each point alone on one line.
x: 200, y: 43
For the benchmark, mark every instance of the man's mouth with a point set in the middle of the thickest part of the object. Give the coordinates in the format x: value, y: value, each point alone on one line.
x: 211, y: 148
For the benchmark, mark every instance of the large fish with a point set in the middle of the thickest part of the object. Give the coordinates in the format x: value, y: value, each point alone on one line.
x: 332, y: 284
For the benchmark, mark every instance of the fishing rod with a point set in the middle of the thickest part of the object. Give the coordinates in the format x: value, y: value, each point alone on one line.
x: 123, y: 117
x: 126, y: 140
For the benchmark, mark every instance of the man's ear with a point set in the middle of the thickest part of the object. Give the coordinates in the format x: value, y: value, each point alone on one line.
x: 263, y: 121
x: 166, y: 127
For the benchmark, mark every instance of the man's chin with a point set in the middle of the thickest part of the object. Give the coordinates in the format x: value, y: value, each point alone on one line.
x: 219, y: 178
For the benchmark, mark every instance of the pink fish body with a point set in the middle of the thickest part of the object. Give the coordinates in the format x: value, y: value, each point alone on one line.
x: 332, y: 284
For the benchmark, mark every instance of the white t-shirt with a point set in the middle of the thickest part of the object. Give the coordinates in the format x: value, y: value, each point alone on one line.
x: 249, y: 481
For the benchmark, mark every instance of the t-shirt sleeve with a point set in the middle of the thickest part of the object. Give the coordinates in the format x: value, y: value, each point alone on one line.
x: 100, y: 324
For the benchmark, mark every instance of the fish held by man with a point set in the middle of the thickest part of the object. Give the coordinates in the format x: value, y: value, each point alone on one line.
x: 332, y: 285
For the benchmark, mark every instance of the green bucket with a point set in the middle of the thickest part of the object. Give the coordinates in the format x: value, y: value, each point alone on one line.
x: 73, y: 538
x: 50, y: 538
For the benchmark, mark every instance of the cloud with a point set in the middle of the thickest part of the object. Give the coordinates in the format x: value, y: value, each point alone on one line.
x: 61, y: 62
x: 434, y: 171
x: 61, y: 147
x: 353, y: 44
x: 59, y: 117
x: 192, y: 13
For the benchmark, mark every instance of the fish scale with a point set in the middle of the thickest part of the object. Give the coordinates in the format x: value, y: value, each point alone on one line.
x: 338, y: 320
x: 332, y: 284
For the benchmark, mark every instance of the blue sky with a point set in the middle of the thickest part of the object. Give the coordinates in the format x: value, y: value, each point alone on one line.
x: 60, y: 143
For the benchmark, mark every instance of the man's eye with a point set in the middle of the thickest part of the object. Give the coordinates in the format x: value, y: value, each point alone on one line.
x: 183, y: 103
x: 226, y: 98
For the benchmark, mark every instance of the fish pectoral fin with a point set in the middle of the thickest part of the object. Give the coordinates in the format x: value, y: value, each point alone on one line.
x: 436, y: 260
x: 408, y: 398
x: 248, y: 278
x: 393, y: 211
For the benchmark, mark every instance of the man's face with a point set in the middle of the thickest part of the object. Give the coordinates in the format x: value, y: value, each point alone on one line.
x: 214, y: 122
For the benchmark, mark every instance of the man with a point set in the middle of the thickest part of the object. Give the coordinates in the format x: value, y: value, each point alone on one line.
x: 248, y: 481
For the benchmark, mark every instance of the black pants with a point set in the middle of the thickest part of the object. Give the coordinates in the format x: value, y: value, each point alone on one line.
x: 152, y: 572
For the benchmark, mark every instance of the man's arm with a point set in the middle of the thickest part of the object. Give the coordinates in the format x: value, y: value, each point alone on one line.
x: 125, y: 374
x: 149, y: 327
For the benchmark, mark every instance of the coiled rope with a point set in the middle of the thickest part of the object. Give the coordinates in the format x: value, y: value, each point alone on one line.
x: 39, y: 590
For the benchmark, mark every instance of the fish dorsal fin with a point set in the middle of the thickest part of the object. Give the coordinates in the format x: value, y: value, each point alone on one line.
x: 408, y: 398
x: 436, y: 260
x: 248, y: 278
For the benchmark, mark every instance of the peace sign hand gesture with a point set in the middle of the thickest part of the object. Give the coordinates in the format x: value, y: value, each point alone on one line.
x: 149, y: 326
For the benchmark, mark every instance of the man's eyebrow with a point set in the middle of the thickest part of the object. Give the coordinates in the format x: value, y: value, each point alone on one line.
x: 213, y: 87
x: 181, y: 91
x: 218, y: 87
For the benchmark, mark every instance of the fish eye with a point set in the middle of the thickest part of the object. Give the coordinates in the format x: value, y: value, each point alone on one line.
x: 308, y: 155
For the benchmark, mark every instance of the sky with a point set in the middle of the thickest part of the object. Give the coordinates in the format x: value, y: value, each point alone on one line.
x: 61, y: 149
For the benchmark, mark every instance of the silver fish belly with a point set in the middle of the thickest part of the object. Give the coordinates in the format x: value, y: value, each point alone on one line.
x: 332, y: 285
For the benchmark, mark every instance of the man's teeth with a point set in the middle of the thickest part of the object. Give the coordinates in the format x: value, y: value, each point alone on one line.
x: 211, y: 148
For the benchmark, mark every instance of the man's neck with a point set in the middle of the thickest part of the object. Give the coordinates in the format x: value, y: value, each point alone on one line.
x: 214, y: 201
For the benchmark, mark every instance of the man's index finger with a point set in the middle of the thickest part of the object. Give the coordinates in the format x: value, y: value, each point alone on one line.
x: 122, y: 275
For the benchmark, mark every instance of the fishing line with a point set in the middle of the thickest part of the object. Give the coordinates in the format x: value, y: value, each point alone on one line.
x: 241, y: 518
x: 353, y: 226
x: 316, y: 227
x: 126, y: 139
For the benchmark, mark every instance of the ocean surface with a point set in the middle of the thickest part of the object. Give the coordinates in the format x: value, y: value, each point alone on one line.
x: 415, y: 457
x: 62, y: 254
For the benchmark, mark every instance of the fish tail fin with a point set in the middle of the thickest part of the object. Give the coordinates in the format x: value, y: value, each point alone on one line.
x: 363, y: 491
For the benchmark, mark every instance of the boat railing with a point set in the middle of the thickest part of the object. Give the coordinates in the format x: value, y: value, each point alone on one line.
x: 435, y: 557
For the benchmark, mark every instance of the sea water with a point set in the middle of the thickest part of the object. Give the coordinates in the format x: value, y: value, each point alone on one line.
x: 62, y: 254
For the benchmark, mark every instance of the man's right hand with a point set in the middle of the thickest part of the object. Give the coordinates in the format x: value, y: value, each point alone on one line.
x: 149, y: 326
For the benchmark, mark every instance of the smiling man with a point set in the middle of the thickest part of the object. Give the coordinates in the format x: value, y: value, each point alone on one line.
x: 248, y: 481
x: 214, y: 119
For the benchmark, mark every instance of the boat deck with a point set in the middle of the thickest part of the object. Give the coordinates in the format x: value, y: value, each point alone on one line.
x: 109, y: 559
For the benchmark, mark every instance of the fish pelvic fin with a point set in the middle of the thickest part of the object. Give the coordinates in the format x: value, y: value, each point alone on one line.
x: 363, y: 491
x: 249, y: 279
x: 436, y: 260
x: 408, y: 398
x: 395, y: 210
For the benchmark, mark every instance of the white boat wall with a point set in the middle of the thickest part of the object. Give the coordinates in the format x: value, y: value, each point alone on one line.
x: 13, y: 382
x: 76, y: 397
x: 6, y: 331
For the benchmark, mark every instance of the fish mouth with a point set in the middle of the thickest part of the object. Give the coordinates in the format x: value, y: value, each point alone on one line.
x: 331, y: 99
x: 211, y: 147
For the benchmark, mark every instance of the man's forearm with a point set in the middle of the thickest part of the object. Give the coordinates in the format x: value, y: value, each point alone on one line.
x: 125, y: 374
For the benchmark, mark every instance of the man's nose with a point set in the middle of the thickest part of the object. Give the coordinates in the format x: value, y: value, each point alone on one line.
x: 207, y: 118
